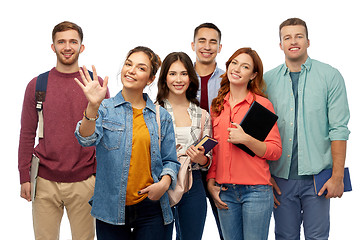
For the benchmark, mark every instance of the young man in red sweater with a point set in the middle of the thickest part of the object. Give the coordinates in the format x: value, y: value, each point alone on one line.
x: 66, y: 170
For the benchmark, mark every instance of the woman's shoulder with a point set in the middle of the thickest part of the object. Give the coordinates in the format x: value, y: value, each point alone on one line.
x: 264, y: 102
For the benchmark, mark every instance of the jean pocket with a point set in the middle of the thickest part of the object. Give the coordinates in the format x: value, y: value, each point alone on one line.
x: 112, y: 133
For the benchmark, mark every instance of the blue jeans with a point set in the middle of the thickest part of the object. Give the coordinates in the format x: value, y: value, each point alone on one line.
x: 190, y: 213
x: 249, y: 211
x: 144, y: 221
x: 299, y: 204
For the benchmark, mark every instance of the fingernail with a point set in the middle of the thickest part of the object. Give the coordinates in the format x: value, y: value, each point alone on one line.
x: 139, y: 192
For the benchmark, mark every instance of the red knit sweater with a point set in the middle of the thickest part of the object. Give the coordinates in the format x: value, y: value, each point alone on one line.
x: 62, y: 159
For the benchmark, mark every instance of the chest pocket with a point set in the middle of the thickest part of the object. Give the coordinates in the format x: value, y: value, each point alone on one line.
x: 216, y: 128
x: 112, y: 134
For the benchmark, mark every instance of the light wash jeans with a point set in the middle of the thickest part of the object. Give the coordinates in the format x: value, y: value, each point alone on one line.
x: 249, y: 211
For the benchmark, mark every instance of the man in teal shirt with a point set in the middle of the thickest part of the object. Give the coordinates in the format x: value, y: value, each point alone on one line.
x: 311, y: 101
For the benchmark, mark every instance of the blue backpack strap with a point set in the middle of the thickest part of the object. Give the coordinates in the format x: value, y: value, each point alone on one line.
x: 40, y: 89
x: 91, y: 74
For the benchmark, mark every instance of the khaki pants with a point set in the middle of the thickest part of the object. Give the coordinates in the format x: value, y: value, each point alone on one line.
x: 48, y: 206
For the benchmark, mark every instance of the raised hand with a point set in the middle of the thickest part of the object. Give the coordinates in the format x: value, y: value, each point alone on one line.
x: 93, y: 90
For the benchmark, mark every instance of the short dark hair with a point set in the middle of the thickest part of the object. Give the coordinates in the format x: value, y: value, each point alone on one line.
x: 293, y: 22
x: 64, y: 26
x: 208, y: 25
x: 163, y: 89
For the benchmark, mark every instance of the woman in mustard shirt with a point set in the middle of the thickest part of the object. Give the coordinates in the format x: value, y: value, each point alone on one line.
x: 133, y: 170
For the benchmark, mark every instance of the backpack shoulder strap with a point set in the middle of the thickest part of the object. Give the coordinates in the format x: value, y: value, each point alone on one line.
x: 41, y: 87
x: 40, y: 92
x: 202, y: 122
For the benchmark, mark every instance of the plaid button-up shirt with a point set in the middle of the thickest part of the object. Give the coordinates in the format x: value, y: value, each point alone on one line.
x: 195, y: 114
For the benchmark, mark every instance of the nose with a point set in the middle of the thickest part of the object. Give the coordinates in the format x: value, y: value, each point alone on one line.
x: 237, y: 68
x: 131, y: 70
x: 178, y: 78
x: 68, y: 45
x: 207, y: 46
x: 293, y: 40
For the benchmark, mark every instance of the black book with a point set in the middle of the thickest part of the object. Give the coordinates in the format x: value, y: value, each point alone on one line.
x: 257, y: 123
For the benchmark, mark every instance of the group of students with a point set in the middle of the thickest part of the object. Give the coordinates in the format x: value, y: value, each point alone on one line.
x: 137, y: 157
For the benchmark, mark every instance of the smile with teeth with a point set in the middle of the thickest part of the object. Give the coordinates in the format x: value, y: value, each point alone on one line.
x: 67, y: 55
x: 129, y: 78
x: 178, y: 87
x: 235, y: 75
x: 206, y: 54
x: 294, y: 49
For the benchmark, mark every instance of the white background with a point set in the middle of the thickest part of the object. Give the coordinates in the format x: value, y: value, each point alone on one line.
x: 111, y: 28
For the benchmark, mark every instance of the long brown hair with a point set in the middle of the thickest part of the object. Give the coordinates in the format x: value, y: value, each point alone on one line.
x: 163, y: 89
x: 256, y: 86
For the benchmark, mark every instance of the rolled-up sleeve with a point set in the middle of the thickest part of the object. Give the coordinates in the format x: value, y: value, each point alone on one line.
x: 85, y: 141
x: 338, y: 109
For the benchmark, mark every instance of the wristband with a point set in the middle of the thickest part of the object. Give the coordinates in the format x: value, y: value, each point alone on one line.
x: 207, y: 163
x: 88, y: 118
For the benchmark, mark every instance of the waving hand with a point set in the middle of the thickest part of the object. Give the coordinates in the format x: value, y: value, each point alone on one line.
x: 93, y: 90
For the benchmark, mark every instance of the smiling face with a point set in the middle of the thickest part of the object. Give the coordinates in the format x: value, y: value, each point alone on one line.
x: 240, y: 70
x: 67, y: 45
x: 206, y: 45
x: 135, y: 73
x: 294, y: 43
x: 177, y: 79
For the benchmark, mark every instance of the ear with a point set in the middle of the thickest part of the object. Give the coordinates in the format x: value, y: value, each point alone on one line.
x: 193, y: 46
x: 53, y: 47
x: 81, y: 48
x: 280, y: 46
x: 253, y: 76
x: 150, y: 80
x: 219, y: 48
x: 308, y: 42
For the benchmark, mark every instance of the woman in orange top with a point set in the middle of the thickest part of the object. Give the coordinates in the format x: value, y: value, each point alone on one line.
x: 238, y: 182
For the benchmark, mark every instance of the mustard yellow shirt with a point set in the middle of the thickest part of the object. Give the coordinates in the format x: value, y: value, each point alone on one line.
x: 140, y: 163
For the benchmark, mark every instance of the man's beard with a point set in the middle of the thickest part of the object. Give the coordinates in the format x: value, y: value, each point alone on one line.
x: 67, y: 61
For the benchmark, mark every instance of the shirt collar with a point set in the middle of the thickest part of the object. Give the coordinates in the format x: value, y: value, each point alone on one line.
x: 306, y: 65
x: 216, y: 71
x: 249, y: 98
x: 119, y: 100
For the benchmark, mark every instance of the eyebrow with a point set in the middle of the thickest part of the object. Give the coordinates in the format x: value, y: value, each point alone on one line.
x: 204, y: 39
x: 242, y: 63
x: 63, y: 39
x: 139, y: 64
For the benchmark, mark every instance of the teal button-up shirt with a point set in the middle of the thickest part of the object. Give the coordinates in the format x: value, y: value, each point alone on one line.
x: 323, y: 115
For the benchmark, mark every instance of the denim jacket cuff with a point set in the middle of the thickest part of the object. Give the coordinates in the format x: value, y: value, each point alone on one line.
x: 172, y: 174
x: 85, y: 141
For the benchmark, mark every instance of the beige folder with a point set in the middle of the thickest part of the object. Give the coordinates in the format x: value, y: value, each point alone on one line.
x: 33, y: 176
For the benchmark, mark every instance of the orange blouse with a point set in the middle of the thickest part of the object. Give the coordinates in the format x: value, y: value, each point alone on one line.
x: 230, y: 164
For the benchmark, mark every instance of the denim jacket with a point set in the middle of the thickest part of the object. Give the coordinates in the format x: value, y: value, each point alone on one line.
x: 113, y: 141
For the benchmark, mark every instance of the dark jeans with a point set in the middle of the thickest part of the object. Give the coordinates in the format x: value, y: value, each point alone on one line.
x: 143, y: 221
x: 190, y: 213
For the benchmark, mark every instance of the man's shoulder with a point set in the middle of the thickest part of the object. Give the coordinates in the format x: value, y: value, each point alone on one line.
x: 275, y: 70
x: 321, y: 66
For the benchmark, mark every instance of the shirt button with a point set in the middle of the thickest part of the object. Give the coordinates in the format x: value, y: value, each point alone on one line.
x: 288, y: 156
x: 290, y: 139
